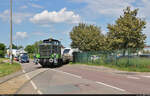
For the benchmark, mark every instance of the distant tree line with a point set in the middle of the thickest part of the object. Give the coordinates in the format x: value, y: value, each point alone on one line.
x: 33, y: 48
x: 125, y: 33
x: 3, y: 49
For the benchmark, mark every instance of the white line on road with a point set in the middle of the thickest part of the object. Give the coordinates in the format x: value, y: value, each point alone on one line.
x: 39, y: 92
x: 133, y: 77
x: 67, y: 73
x: 23, y: 71
x: 146, y: 76
x: 34, y: 86
x: 111, y: 86
x: 27, y: 76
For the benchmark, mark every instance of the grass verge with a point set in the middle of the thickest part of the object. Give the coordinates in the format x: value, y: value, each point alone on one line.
x: 7, y: 68
x: 134, y: 65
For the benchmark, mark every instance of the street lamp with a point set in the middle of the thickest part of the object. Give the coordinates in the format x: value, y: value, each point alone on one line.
x: 11, y: 57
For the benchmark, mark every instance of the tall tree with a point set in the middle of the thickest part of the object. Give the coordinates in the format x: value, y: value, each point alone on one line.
x: 87, y: 37
x: 127, y: 31
x: 19, y: 47
x: 36, y: 44
x: 29, y: 49
x: 2, y: 50
x: 14, y: 46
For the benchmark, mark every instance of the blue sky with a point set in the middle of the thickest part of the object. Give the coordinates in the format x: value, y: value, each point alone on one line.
x: 40, y: 19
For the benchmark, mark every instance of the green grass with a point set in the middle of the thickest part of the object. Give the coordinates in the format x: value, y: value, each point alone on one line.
x: 133, y: 64
x: 6, y: 68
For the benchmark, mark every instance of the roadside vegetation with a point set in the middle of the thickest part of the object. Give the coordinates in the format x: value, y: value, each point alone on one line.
x: 126, y: 33
x: 135, y: 65
x: 7, y: 68
x: 32, y: 49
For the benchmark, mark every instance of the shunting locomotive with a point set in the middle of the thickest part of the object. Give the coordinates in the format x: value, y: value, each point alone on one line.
x: 49, y: 53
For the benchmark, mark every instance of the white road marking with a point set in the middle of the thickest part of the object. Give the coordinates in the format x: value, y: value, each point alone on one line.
x: 33, y: 84
x: 146, y: 76
x: 23, y: 71
x: 67, y: 73
x: 39, y: 92
x: 110, y: 86
x: 133, y: 77
x: 27, y: 76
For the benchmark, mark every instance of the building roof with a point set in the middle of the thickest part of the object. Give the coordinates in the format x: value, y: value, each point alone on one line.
x: 148, y: 46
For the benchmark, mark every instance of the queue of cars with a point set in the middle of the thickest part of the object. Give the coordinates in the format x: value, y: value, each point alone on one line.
x: 22, y: 58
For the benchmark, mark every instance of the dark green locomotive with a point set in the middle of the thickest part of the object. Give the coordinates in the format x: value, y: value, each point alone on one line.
x: 49, y: 53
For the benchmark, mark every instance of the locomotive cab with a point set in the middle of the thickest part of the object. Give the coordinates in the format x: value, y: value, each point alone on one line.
x: 49, y: 53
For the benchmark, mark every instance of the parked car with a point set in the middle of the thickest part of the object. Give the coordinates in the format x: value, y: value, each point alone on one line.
x: 24, y: 58
x: 16, y: 58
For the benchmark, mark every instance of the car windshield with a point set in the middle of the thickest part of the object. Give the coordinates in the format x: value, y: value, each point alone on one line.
x: 24, y: 57
x: 66, y: 51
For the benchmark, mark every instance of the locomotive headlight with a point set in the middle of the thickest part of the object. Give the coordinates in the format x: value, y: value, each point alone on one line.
x: 51, y: 60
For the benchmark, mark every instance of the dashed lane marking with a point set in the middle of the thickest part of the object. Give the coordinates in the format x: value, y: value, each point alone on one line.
x: 23, y: 71
x: 133, y: 77
x: 39, y: 92
x: 33, y: 84
x: 146, y: 76
x: 67, y: 73
x: 110, y: 86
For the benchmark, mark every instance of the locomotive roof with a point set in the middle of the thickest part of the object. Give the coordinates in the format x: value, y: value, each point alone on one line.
x: 46, y: 40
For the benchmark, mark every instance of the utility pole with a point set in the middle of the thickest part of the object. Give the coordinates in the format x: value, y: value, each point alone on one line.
x: 11, y: 57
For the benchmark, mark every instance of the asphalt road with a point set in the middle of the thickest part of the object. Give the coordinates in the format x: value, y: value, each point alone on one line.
x: 81, y: 79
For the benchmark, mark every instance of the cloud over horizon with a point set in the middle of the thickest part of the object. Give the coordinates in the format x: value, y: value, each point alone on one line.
x: 18, y: 17
x: 20, y: 35
x: 62, y: 16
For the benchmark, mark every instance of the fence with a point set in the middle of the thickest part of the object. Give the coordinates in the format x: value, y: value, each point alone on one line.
x: 122, y: 58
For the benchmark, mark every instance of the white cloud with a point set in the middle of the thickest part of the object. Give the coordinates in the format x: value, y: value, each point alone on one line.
x: 62, y: 16
x: 40, y: 33
x: 20, y: 35
x: 114, y: 8
x: 17, y: 17
x: 36, y: 5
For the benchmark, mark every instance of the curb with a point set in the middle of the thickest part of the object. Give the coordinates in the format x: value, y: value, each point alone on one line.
x: 10, y: 76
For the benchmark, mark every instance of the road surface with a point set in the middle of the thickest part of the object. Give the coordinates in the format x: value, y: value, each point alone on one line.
x: 82, y: 79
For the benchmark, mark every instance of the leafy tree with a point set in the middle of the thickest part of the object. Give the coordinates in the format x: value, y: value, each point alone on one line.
x: 29, y: 49
x: 2, y: 50
x: 127, y: 31
x: 14, y: 46
x: 19, y: 47
x: 87, y: 38
x: 33, y: 48
x: 36, y: 45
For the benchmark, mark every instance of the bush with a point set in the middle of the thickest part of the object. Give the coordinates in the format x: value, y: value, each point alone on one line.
x: 2, y: 50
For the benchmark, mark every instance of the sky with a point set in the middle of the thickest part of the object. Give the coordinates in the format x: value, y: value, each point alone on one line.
x: 35, y: 20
